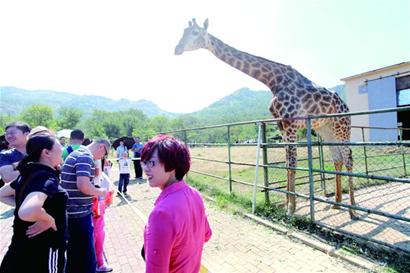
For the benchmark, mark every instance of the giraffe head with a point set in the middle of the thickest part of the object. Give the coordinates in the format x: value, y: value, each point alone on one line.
x: 194, y: 37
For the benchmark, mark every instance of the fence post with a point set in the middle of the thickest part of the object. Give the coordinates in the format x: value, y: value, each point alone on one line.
x: 322, y: 165
x: 186, y: 143
x: 185, y: 137
x: 265, y: 163
x: 365, y: 153
x: 258, y: 148
x: 310, y: 166
x: 229, y: 158
x: 402, y: 150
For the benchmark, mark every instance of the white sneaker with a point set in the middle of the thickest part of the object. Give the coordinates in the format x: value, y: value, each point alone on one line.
x: 104, y: 268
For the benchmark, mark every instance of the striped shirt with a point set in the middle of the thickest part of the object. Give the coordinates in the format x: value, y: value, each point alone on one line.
x: 78, y: 163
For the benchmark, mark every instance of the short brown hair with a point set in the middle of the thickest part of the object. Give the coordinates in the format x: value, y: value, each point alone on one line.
x: 173, y: 153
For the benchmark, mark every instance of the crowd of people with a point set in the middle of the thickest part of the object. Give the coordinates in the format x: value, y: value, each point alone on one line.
x: 60, y: 194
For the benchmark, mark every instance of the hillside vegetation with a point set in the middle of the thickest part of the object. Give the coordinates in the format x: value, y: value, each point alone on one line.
x: 101, y: 116
x: 15, y: 100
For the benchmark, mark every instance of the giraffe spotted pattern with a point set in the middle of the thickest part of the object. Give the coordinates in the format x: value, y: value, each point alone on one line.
x: 293, y: 96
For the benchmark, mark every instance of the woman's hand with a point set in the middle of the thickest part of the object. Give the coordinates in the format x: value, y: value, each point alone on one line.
x: 41, y: 226
x: 32, y: 211
x: 108, y: 198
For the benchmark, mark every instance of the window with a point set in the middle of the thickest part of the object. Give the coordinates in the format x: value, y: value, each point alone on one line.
x: 403, y: 97
x: 403, y: 90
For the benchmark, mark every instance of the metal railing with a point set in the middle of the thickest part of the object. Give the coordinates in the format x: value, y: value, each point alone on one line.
x: 377, y: 173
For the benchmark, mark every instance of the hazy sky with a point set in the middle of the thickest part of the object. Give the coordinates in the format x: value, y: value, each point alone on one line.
x: 125, y: 49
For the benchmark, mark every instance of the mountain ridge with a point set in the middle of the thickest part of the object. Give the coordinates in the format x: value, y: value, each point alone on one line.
x: 14, y: 100
x: 242, y: 104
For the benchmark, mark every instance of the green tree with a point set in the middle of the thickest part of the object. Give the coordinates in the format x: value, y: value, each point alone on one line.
x: 145, y: 133
x: 4, y: 120
x: 111, y: 129
x: 38, y: 114
x: 131, y: 121
x: 115, y: 124
x: 68, y: 117
x: 94, y: 126
x: 160, y: 124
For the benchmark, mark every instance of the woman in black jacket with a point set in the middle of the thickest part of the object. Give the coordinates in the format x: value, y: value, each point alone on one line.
x: 39, y: 229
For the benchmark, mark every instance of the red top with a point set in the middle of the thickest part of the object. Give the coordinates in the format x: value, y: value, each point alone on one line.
x: 176, y: 231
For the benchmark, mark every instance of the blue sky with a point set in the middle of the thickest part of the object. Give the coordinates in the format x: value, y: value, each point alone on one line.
x: 125, y: 48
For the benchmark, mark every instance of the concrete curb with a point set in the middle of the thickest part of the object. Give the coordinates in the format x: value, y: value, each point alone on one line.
x: 328, y: 249
x: 208, y: 198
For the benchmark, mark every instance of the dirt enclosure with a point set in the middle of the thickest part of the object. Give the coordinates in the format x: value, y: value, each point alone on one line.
x: 391, y: 198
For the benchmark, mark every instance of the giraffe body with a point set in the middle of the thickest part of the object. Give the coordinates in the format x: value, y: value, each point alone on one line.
x: 293, y: 95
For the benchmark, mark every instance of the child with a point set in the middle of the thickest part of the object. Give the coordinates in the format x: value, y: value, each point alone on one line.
x: 124, y: 166
x: 107, y: 166
x: 99, y: 205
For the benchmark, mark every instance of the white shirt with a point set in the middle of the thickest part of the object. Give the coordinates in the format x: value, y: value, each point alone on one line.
x: 124, y: 165
x: 97, y: 179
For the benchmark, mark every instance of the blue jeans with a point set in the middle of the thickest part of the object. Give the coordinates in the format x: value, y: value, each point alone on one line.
x: 123, y: 182
x: 80, y: 249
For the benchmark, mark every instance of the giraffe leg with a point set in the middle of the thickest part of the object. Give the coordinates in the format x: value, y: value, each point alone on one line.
x: 348, y: 161
x: 291, y: 151
x: 352, y: 212
x: 289, y: 136
x: 290, y: 199
x: 338, y: 193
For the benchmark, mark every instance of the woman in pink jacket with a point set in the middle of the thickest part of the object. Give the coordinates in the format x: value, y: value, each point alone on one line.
x: 177, y: 227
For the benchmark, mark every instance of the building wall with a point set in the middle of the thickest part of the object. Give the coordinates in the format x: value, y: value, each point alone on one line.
x: 382, y: 95
x: 357, y: 98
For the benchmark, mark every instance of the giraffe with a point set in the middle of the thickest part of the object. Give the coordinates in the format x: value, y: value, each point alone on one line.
x: 293, y: 95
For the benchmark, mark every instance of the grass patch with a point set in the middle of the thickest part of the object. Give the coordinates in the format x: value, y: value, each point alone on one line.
x: 223, y: 200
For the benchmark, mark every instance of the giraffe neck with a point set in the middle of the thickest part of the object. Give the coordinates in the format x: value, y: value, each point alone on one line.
x: 263, y: 70
x: 274, y: 75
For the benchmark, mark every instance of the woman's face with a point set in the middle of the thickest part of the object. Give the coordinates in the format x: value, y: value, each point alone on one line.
x: 155, y: 171
x: 55, y: 154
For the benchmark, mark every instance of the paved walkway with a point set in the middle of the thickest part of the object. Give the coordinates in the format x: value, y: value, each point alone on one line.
x: 237, y: 244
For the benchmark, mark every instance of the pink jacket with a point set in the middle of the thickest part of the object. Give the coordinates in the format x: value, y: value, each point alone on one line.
x: 176, y: 231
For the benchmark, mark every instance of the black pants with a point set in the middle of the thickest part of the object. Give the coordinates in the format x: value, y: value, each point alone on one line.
x: 40, y: 258
x: 138, y: 169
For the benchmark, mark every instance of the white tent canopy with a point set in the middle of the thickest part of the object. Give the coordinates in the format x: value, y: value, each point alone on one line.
x: 64, y: 133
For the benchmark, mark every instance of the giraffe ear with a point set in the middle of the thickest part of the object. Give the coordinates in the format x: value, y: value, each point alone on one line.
x: 206, y: 23
x: 189, y: 23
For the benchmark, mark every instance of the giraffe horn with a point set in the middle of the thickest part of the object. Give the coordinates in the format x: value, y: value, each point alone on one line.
x: 194, y: 21
x: 206, y: 23
x: 189, y: 23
